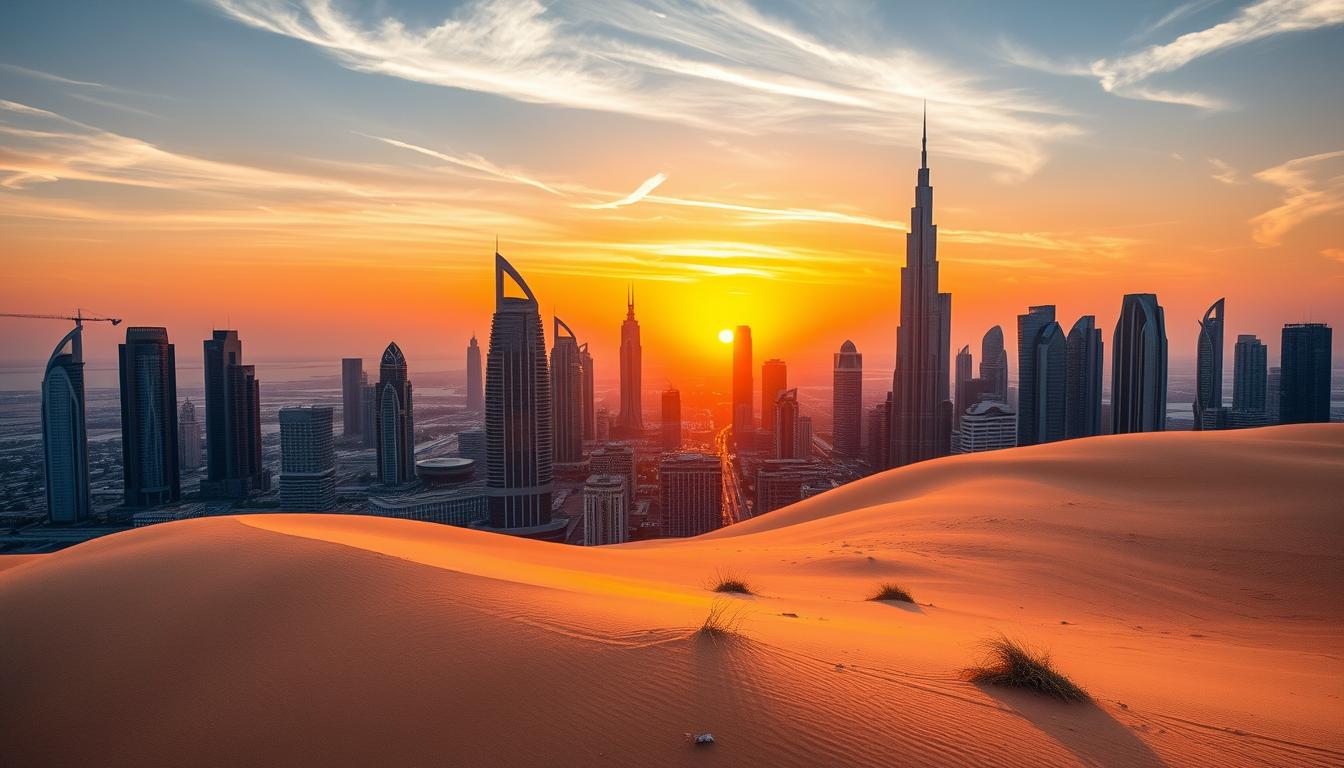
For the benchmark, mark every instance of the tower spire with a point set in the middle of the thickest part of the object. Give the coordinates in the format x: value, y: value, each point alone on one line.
x: 924, y: 140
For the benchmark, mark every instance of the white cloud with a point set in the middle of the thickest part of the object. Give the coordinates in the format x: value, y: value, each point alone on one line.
x: 1312, y: 186
x: 1223, y: 173
x: 643, y: 191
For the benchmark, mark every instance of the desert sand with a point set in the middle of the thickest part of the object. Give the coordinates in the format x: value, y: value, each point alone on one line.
x: 1191, y: 582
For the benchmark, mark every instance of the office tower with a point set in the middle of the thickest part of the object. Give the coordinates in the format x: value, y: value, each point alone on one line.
x: 1273, y: 386
x: 631, y: 417
x: 774, y: 379
x: 566, y: 394
x: 471, y: 445
x: 987, y: 426
x: 232, y: 421
x: 1249, y: 360
x: 994, y: 363
x: 368, y: 409
x: 589, y: 376
x: 606, y: 515
x: 743, y: 420
x: 1051, y: 383
x: 602, y: 425
x: 1139, y: 366
x: 803, y: 448
x: 786, y: 424
x: 1082, y: 416
x: 970, y: 392
x: 307, y: 459
x: 671, y: 420
x: 847, y: 400
x: 1209, y: 368
x: 616, y: 459
x: 780, y: 482
x: 963, y: 375
x: 691, y: 490
x: 1304, y: 390
x: 148, y: 369
x: 475, y: 383
x: 919, y: 430
x: 189, y: 437
x: 394, y: 421
x: 65, y: 440
x: 352, y: 381
x: 1029, y: 328
x: 518, y: 425
x: 879, y: 435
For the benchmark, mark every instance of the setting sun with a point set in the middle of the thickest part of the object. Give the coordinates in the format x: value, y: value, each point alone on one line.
x: 726, y: 336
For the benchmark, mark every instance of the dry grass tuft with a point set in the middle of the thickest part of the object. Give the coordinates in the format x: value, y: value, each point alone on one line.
x: 730, y: 583
x: 724, y: 621
x: 1012, y: 664
x: 892, y: 591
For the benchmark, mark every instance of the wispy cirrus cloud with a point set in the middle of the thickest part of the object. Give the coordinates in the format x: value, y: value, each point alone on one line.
x: 472, y: 162
x: 1223, y: 173
x: 1312, y: 187
x: 717, y: 65
x: 640, y: 193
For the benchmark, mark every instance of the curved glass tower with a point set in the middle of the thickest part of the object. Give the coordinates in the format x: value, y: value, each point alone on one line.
x: 394, y: 424
x: 567, y: 392
x: 1139, y: 366
x: 1209, y: 367
x: 64, y: 434
x: 517, y: 409
x: 994, y: 363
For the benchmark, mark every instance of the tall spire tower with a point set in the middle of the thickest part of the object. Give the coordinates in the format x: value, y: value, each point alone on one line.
x: 921, y: 412
x: 631, y: 417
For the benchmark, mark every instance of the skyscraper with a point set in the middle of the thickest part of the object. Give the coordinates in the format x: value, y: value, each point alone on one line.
x: 671, y: 420
x: 606, y: 517
x: 691, y: 487
x: 786, y: 425
x: 1029, y: 329
x: 232, y: 421
x: 518, y: 423
x: 65, y: 440
x: 1082, y: 416
x: 847, y: 400
x: 368, y: 412
x: 616, y: 459
x: 1304, y: 391
x: 352, y: 379
x: 631, y: 417
x: 589, y: 376
x: 803, y: 446
x: 1139, y: 366
x: 475, y: 385
x: 1209, y: 368
x: 964, y: 363
x: 188, y: 437
x: 743, y: 421
x: 994, y: 363
x: 879, y: 435
x: 774, y: 379
x: 307, y: 459
x: 148, y: 370
x: 1051, y: 384
x: 921, y: 416
x: 566, y: 394
x: 1249, y: 361
x: 394, y: 421
x: 1273, y: 386
x: 780, y: 482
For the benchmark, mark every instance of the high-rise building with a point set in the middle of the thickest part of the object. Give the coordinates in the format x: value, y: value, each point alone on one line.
x: 691, y: 490
x: 1209, y: 368
x: 994, y: 363
x: 232, y: 421
x: 602, y: 425
x: 1139, y: 366
x: 921, y: 415
x: 368, y: 410
x: 1052, y: 366
x: 394, y: 422
x: 743, y: 419
x: 1029, y: 329
x: 475, y: 383
x: 566, y: 394
x: 1273, y: 387
x: 1304, y: 390
x: 786, y: 424
x: 589, y: 377
x: 616, y: 459
x: 307, y: 459
x: 606, y: 515
x: 1082, y: 416
x: 970, y: 392
x: 780, y: 482
x: 847, y: 400
x: 879, y: 435
x: 352, y: 380
x: 774, y: 379
x: 631, y: 417
x: 148, y: 369
x: 987, y: 426
x: 471, y: 445
x: 65, y: 439
x: 1249, y: 362
x: 803, y: 448
x: 964, y: 364
x: 518, y: 419
x: 671, y: 420
x: 189, y: 437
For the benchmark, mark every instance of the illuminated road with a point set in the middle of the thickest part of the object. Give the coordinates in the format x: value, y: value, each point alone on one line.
x: 734, y: 502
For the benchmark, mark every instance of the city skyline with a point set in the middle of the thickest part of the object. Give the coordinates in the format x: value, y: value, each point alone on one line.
x: 1054, y: 182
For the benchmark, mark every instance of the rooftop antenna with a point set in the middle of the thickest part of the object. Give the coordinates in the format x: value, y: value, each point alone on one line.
x: 924, y: 140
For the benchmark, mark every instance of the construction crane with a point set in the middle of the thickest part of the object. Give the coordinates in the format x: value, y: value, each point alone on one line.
x: 79, y: 317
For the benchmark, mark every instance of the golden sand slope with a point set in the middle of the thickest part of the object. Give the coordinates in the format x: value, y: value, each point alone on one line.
x: 1191, y: 582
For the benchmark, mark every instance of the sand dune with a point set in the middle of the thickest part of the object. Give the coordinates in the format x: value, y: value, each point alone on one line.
x: 1190, y: 582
